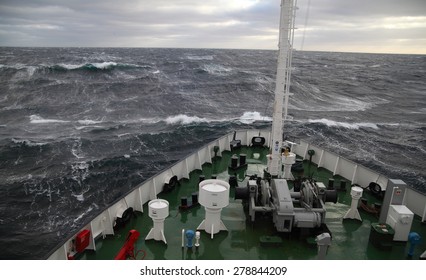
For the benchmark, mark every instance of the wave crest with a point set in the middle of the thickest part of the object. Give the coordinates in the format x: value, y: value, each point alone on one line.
x: 216, y: 69
x: 36, y: 119
x: 246, y: 118
x: 87, y: 66
x: 199, y: 57
x: 184, y: 119
x: 332, y: 123
x: 251, y: 117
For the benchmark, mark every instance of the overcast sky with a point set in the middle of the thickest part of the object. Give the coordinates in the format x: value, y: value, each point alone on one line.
x: 387, y: 26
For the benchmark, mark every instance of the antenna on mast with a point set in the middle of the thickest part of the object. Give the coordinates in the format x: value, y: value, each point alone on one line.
x: 282, y: 86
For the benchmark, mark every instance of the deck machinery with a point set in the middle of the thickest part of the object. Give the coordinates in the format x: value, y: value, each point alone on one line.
x: 289, y: 209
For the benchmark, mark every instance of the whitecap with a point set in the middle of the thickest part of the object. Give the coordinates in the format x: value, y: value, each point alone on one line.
x: 331, y: 123
x: 70, y: 66
x: 88, y: 122
x: 89, y: 126
x: 76, y: 150
x: 216, y: 69
x: 84, y: 213
x: 36, y: 119
x: 79, y: 197
x: 31, y: 70
x: 251, y: 117
x: 124, y: 134
x: 28, y: 143
x: 314, y: 101
x: 246, y: 118
x: 149, y: 120
x: 104, y: 65
x: 184, y: 119
x: 199, y: 57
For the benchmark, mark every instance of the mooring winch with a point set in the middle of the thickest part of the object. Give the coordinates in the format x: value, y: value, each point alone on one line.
x: 289, y: 209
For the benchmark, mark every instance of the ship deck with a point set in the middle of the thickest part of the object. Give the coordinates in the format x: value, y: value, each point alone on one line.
x: 246, y: 240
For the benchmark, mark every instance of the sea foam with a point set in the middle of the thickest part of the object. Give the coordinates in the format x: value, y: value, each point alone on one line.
x: 332, y: 123
x: 184, y: 119
x: 251, y: 117
x: 36, y: 119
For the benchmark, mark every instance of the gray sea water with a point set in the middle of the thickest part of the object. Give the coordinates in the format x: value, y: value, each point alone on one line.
x: 79, y: 127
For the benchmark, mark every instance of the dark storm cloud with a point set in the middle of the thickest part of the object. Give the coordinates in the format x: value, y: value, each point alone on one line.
x: 367, y: 8
x: 366, y: 26
x: 206, y: 23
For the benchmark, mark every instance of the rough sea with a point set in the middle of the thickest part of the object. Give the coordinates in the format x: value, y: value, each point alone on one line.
x: 79, y: 127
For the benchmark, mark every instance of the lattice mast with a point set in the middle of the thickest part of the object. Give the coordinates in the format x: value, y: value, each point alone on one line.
x: 282, y: 87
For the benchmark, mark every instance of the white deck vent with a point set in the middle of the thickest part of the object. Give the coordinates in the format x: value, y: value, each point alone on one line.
x: 288, y: 159
x: 356, y: 193
x: 214, y: 196
x: 158, y: 212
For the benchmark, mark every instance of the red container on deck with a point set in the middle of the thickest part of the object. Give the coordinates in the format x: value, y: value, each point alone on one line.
x: 82, y: 240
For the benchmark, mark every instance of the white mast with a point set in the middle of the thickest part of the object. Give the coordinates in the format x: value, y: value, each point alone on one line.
x: 282, y: 87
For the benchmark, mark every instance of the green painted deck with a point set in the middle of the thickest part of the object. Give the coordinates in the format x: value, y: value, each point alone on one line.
x: 245, y: 240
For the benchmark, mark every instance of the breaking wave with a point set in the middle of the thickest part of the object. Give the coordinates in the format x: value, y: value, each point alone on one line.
x: 36, y: 119
x: 199, y: 57
x: 184, y: 119
x: 94, y: 66
x: 65, y: 67
x: 251, y: 117
x: 88, y: 122
x: 246, y: 118
x: 331, y: 123
x: 27, y: 142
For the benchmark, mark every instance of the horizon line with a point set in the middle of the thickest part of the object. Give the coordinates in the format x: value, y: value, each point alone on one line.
x: 213, y: 48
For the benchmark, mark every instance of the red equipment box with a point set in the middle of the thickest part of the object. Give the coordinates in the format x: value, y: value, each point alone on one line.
x: 82, y: 240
